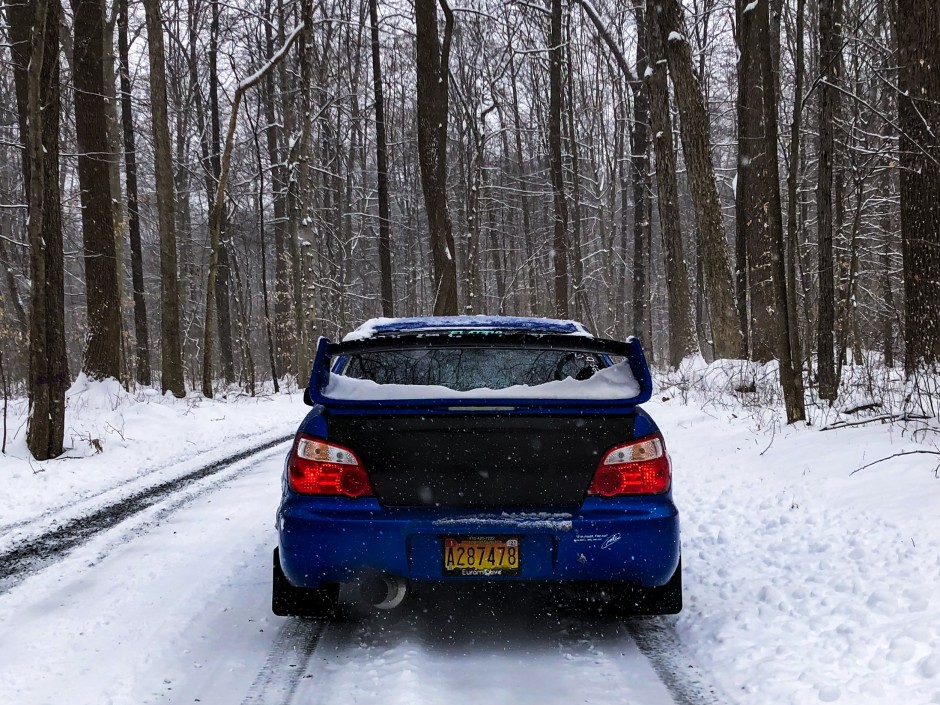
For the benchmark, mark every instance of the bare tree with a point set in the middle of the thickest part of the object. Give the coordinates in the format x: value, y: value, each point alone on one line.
x: 218, y: 204
x: 696, y: 145
x: 559, y: 240
x: 918, y: 35
x: 681, y: 332
x: 433, y: 71
x: 793, y: 175
x: 34, y: 34
x: 829, y: 47
x: 381, y: 157
x: 213, y: 174
x: 141, y: 333
x: 103, y: 343
x: 171, y: 355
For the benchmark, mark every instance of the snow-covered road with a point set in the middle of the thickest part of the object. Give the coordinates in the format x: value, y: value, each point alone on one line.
x: 173, y: 606
x: 805, y: 582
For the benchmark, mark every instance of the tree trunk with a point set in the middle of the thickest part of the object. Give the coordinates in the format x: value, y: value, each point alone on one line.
x: 696, y: 145
x: 218, y: 204
x: 521, y: 185
x: 102, y: 356
x: 642, y: 232
x: 889, y: 312
x: 582, y: 305
x: 266, y: 310
x: 170, y: 345
x: 829, y: 47
x: 282, y: 317
x: 222, y: 299
x: 115, y: 147
x: 141, y: 333
x: 791, y: 375
x: 300, y: 363
x: 34, y: 39
x: 918, y: 37
x: 433, y: 79
x: 792, y: 181
x: 381, y: 156
x: 681, y: 331
x: 752, y: 192
x: 560, y: 220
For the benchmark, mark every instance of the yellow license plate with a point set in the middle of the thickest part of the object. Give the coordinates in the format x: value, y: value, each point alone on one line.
x: 486, y: 556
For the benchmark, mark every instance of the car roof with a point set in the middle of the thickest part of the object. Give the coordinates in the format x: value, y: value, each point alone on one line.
x: 380, y: 327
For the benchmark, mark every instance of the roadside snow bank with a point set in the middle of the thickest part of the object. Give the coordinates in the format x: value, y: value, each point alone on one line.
x: 805, y: 582
x: 114, y: 437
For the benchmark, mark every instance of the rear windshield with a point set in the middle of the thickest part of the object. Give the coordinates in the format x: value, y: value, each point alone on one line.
x: 463, y: 369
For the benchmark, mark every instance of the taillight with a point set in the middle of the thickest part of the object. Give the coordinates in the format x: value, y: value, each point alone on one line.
x: 318, y: 467
x: 640, y: 467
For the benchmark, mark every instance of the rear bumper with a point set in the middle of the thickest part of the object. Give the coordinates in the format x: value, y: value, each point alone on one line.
x: 328, y: 540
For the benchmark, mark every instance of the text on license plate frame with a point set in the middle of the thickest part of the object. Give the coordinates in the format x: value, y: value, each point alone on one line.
x: 501, y: 556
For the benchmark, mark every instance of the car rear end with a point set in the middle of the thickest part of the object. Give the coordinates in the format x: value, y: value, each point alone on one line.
x: 552, y: 481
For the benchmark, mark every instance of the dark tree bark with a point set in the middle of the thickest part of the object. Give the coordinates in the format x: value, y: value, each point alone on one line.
x: 791, y: 375
x: 642, y: 232
x: 283, y: 335
x: 889, y: 312
x: 752, y: 193
x: 34, y: 39
x: 793, y: 176
x: 681, y: 332
x: 171, y: 354
x: 582, y: 305
x: 521, y: 184
x: 381, y: 156
x: 829, y: 48
x: 301, y: 361
x: 268, y: 329
x: 141, y: 333
x: 696, y: 145
x: 918, y: 37
x: 102, y: 356
x: 222, y: 299
x: 560, y: 219
x: 433, y: 80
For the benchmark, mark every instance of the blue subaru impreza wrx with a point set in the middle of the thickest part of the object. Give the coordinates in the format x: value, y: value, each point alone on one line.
x: 474, y: 448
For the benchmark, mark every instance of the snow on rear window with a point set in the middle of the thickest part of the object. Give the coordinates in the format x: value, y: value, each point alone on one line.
x: 615, y: 383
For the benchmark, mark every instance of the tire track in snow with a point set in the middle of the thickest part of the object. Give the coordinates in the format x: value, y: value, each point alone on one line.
x: 286, y: 663
x: 39, y: 551
x: 534, y: 649
x: 658, y: 642
x: 51, y: 512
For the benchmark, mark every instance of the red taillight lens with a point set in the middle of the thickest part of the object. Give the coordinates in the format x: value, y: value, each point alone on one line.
x: 640, y: 467
x: 318, y: 467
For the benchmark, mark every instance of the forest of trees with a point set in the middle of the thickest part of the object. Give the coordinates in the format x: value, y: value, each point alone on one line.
x: 191, y: 191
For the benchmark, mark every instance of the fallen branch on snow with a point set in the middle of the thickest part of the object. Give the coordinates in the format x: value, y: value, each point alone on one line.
x: 897, y: 455
x: 884, y: 417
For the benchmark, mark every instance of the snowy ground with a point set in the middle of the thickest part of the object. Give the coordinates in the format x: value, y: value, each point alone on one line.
x: 803, y: 582
x: 118, y: 442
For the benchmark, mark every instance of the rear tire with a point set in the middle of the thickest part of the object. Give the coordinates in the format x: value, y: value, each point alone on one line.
x: 290, y: 601
x: 664, y: 599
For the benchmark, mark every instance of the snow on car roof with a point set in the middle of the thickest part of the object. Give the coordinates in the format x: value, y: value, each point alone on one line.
x: 390, y: 326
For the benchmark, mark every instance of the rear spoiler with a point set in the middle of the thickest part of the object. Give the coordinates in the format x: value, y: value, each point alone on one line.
x: 328, y: 351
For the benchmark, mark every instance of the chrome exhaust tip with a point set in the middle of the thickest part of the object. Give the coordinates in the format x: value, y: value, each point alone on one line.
x: 383, y: 592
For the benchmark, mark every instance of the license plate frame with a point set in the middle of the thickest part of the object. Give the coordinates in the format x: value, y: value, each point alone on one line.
x: 502, y: 562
